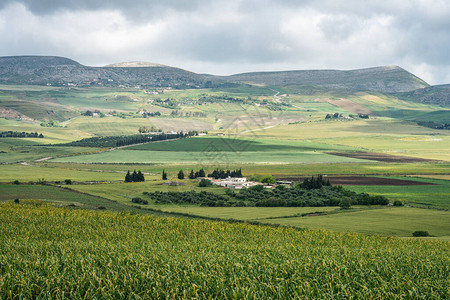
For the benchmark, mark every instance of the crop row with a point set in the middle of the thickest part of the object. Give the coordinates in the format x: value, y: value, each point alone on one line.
x: 58, y: 252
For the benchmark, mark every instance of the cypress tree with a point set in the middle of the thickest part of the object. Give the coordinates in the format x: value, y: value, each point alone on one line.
x: 164, y: 175
x: 201, y: 173
x: 181, y: 174
x: 128, y: 177
x: 134, y: 176
x: 140, y: 176
x: 191, y: 175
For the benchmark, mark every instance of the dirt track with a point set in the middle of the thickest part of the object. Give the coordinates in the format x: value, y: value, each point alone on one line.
x: 360, y: 180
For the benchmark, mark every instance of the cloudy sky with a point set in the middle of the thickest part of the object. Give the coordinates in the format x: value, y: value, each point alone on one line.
x: 233, y: 36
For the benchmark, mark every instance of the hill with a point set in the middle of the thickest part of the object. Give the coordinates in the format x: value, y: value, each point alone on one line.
x: 49, y: 70
x: 58, y: 71
x: 381, y: 79
x: 437, y: 94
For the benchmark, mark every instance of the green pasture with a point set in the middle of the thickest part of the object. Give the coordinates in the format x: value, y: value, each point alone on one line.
x: 108, y: 125
x: 100, y: 98
x: 259, y: 214
x: 181, y: 124
x: 434, y: 196
x: 348, y: 129
x: 35, y: 88
x: 36, y: 171
x: 55, y: 194
x: 396, y: 221
x: 52, y: 135
x: 286, y: 169
x: 235, y: 144
x: 421, y: 146
x: 38, y: 111
x: 205, y: 158
x: 13, y: 154
x: 434, y: 116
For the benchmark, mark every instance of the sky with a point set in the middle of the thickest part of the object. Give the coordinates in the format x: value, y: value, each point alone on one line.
x: 224, y: 37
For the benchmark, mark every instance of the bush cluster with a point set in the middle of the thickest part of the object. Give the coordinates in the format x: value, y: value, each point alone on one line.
x: 23, y: 134
x: 123, y: 140
x: 280, y: 196
x: 139, y: 200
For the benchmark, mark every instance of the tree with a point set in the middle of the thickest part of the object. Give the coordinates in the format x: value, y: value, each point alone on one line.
x: 181, y: 174
x: 164, y: 175
x: 201, y: 173
x: 140, y: 176
x: 268, y: 179
x: 345, y: 203
x: 191, y: 175
x: 128, y: 177
x: 134, y: 176
x: 204, y: 183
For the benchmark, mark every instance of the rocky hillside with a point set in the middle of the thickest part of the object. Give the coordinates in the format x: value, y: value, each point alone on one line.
x: 49, y: 70
x: 381, y: 79
x: 437, y: 94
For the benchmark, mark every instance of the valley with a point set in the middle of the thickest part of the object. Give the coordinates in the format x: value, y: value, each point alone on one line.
x: 378, y: 137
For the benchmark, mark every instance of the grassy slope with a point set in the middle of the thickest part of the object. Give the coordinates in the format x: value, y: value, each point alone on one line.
x: 436, y: 196
x: 132, y: 156
x: 25, y: 173
x: 55, y: 194
x: 121, y: 255
x: 398, y: 221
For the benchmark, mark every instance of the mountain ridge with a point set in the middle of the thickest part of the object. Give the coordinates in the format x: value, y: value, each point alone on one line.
x: 60, y: 71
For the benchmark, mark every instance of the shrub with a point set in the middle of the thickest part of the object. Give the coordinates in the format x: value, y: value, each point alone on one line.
x: 16, y: 201
x: 137, y: 200
x: 204, y: 183
x: 268, y: 179
x: 16, y: 182
x: 398, y: 203
x: 68, y: 181
x: 345, y: 203
x: 419, y: 233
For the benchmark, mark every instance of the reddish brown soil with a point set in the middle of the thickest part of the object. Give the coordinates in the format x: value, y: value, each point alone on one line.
x: 360, y: 180
x: 381, y: 157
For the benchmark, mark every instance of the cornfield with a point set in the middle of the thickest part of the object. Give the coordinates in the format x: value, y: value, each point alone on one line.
x: 46, y: 251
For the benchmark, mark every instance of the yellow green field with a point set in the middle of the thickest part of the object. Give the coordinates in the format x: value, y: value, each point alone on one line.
x: 112, y: 255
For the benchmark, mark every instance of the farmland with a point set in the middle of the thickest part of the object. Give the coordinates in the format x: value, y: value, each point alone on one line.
x: 372, y: 143
x: 176, y: 257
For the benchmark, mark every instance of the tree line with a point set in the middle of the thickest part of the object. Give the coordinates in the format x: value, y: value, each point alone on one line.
x: 216, y: 174
x: 124, y: 140
x: 315, y: 183
x: 23, y: 134
x: 222, y: 174
x: 281, y: 196
x: 135, y: 176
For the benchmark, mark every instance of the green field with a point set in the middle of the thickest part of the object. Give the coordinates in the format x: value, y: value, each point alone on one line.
x: 35, y: 171
x: 397, y: 221
x: 88, y: 254
x: 55, y: 194
x: 151, y: 157
x: 213, y: 150
x: 434, y: 196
